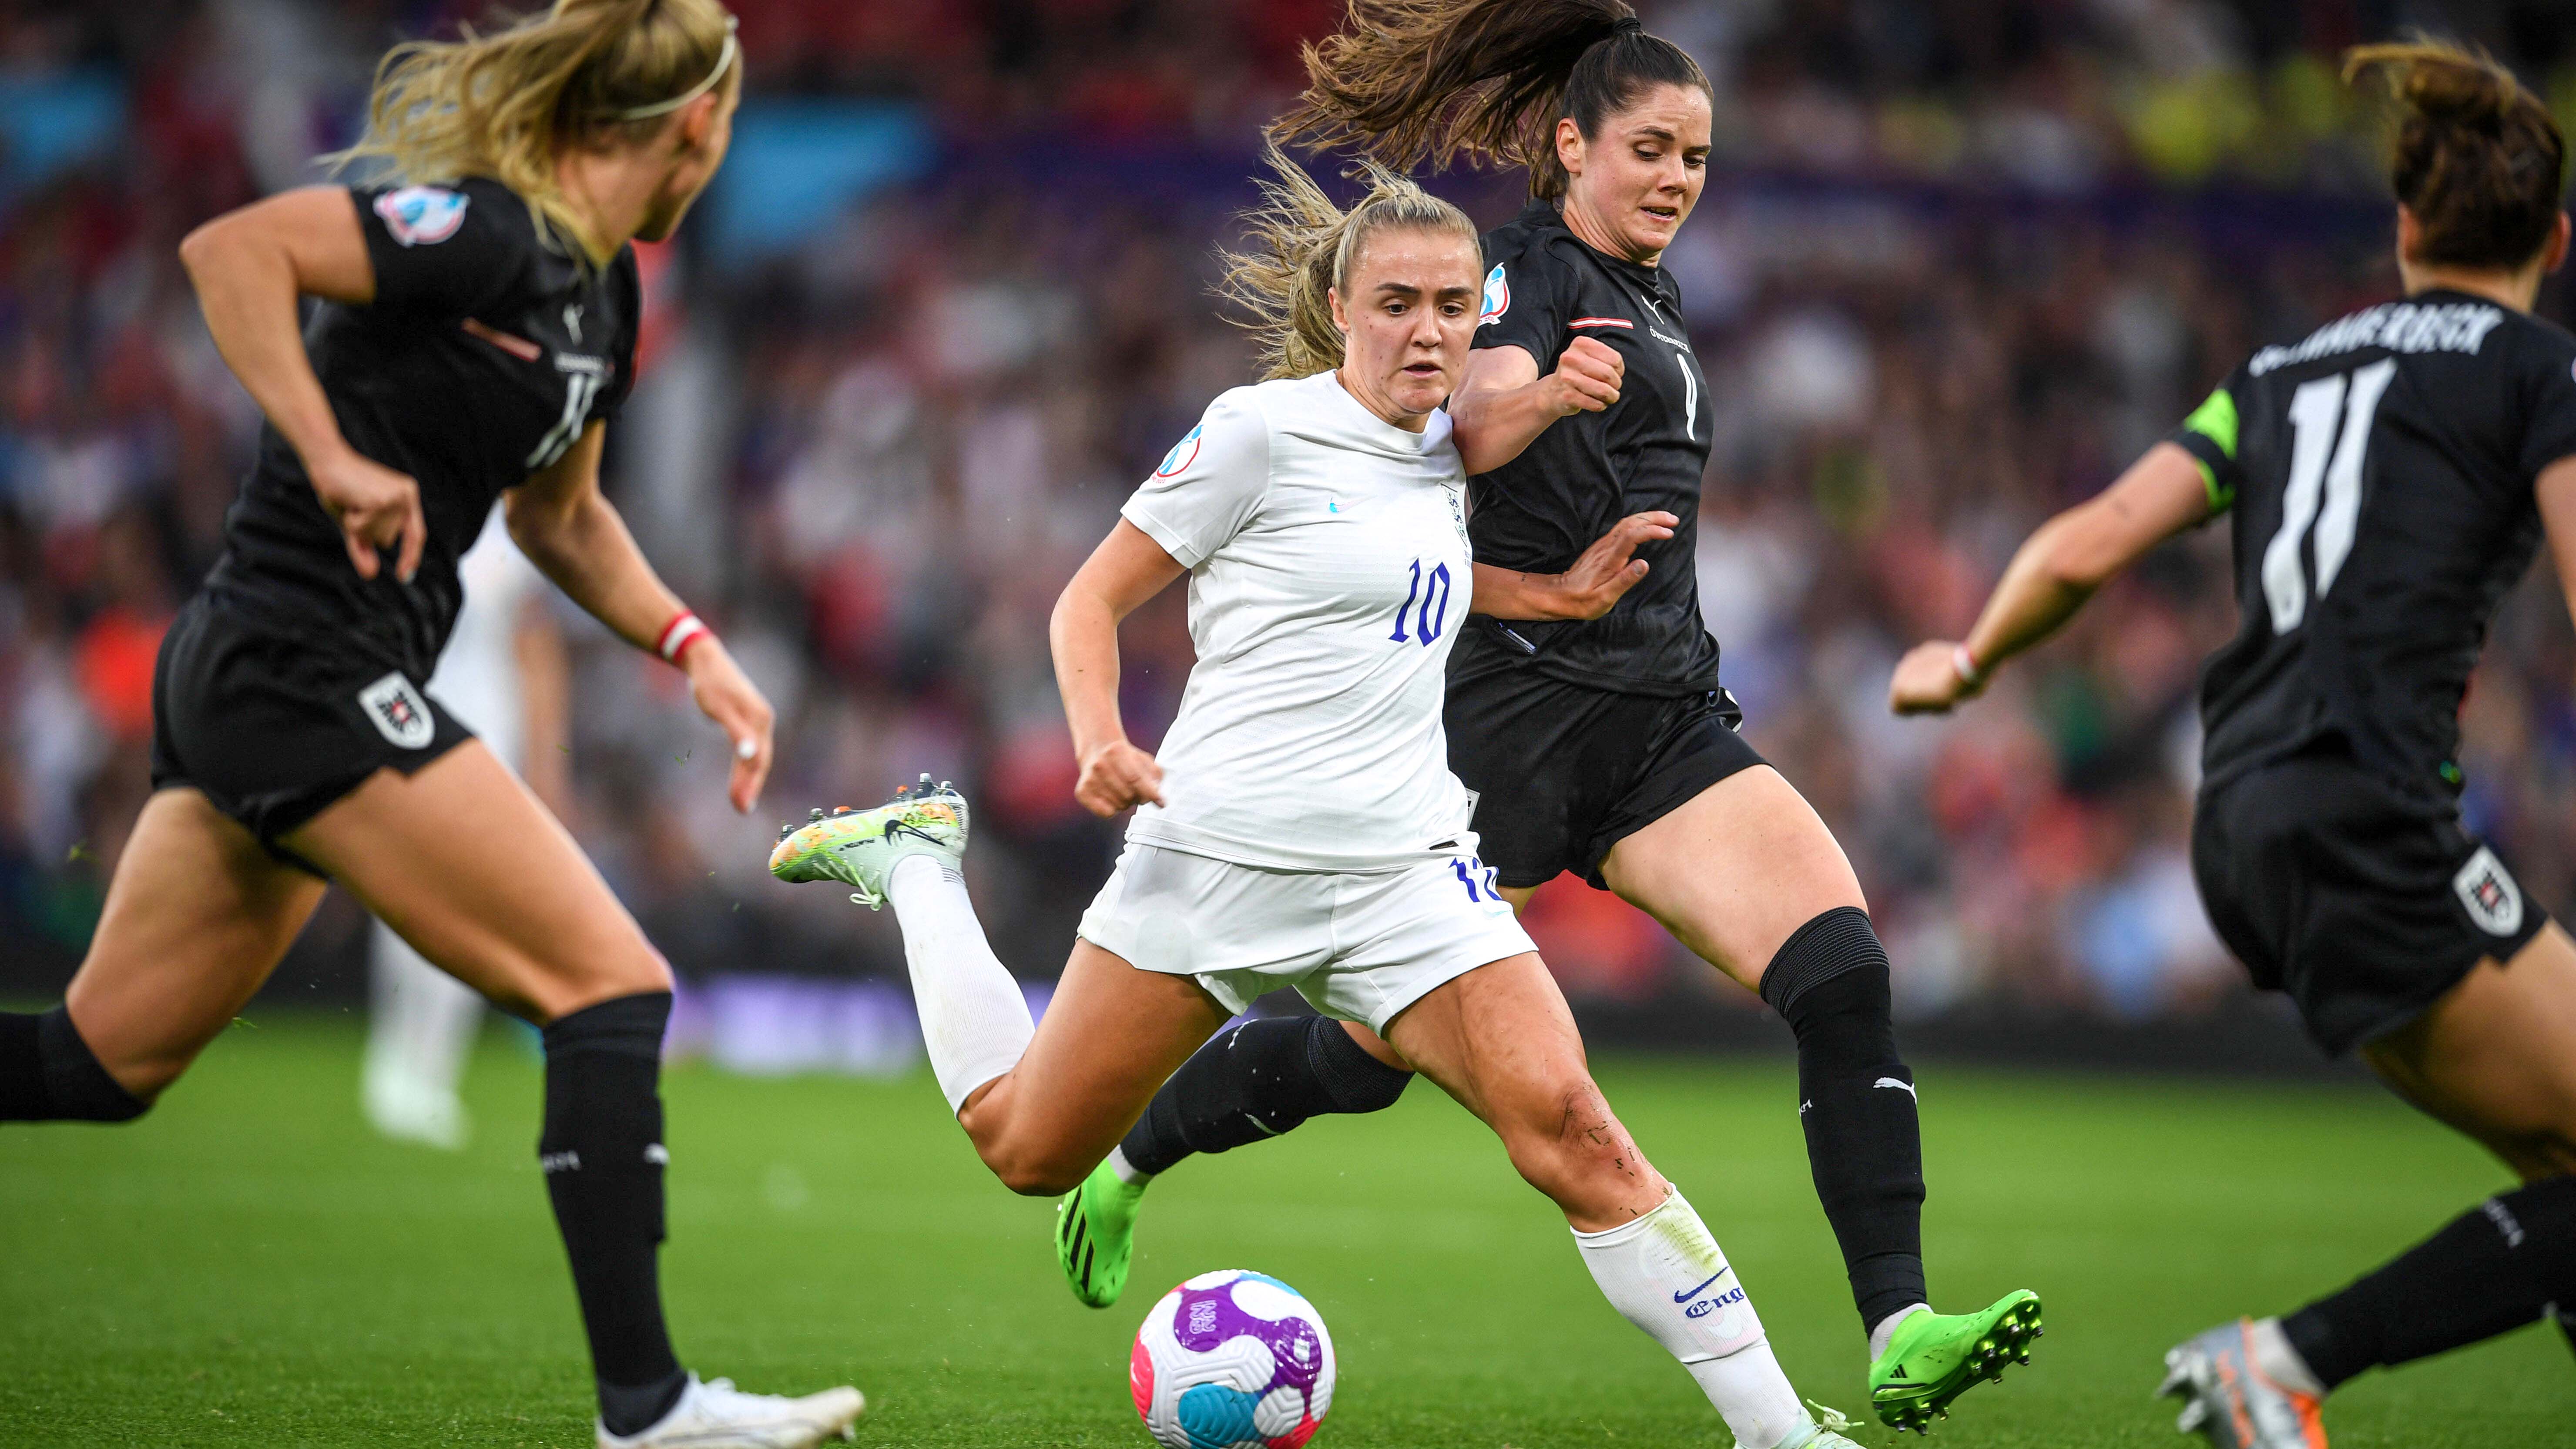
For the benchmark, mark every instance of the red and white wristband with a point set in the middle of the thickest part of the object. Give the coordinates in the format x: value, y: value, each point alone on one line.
x: 1964, y: 664
x: 679, y: 634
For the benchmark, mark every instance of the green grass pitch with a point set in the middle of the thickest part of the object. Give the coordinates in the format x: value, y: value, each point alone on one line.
x: 247, y: 1266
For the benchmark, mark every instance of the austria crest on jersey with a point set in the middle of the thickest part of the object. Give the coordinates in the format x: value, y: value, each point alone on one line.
x: 1498, y: 296
x: 422, y: 215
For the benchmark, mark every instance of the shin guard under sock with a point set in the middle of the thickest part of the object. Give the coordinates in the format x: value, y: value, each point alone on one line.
x: 1259, y: 1080
x: 1856, y: 1102
x: 2491, y: 1269
x: 603, y: 1158
x: 48, y: 1074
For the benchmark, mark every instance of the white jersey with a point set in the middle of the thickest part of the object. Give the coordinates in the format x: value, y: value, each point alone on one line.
x: 478, y: 676
x: 1329, y: 573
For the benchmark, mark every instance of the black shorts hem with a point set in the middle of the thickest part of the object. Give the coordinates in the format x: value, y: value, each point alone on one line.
x: 1564, y: 772
x: 2362, y: 902
x: 274, y: 729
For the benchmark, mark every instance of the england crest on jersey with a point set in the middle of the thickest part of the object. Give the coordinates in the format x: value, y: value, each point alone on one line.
x: 2487, y: 889
x: 422, y: 215
x: 1498, y: 296
x: 398, y: 712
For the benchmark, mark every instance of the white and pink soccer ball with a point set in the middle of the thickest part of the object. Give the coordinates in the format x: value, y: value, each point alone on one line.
x: 1232, y: 1360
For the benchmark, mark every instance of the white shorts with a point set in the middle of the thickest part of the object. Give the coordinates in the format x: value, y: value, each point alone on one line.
x: 1360, y: 945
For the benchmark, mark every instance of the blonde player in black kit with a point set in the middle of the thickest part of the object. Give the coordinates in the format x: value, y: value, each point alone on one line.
x: 476, y: 331
x: 2389, y: 478
x: 1601, y: 745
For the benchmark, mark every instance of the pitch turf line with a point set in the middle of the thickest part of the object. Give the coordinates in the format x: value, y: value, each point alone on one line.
x: 248, y: 1267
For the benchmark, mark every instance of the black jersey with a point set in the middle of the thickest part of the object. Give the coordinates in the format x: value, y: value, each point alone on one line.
x: 485, y: 353
x: 2381, y: 474
x: 1539, y: 512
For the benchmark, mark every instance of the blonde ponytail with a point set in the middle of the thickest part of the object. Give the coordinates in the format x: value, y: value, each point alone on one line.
x: 505, y: 105
x: 1303, y: 248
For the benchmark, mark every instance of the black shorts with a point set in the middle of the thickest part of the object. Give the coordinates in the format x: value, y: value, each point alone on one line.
x: 1562, y: 772
x: 274, y: 726
x: 2364, y: 903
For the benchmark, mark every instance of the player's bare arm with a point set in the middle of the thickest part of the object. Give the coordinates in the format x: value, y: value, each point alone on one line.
x: 250, y: 267
x: 1127, y: 569
x: 2053, y: 573
x: 1600, y: 578
x: 1503, y: 404
x: 2556, y: 490
x: 574, y: 536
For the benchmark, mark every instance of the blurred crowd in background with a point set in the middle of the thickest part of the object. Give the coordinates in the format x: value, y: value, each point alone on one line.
x: 1958, y: 262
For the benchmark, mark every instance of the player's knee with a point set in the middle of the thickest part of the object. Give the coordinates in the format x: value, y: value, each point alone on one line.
x: 1577, y: 1149
x: 1034, y: 1173
x: 635, y: 969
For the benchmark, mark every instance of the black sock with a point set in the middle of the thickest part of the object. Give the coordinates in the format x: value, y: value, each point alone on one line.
x: 603, y: 1156
x: 2491, y: 1269
x: 1856, y: 1101
x: 1256, y: 1081
x: 47, y: 1074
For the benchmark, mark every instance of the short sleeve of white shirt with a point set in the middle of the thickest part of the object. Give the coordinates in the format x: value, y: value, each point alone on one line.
x: 1210, y: 484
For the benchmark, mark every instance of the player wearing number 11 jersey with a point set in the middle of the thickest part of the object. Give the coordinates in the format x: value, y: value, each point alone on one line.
x: 2389, y: 477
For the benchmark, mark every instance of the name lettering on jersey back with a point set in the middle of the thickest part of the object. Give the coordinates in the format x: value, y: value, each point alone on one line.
x: 2396, y: 326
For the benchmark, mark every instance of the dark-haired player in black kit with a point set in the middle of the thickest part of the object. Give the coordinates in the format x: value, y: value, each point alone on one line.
x: 474, y: 336
x: 1604, y: 746
x: 2389, y: 477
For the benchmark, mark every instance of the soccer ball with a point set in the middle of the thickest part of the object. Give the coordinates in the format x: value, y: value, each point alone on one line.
x: 1232, y: 1360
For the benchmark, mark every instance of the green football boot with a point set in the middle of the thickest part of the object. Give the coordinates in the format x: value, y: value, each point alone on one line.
x: 860, y: 848
x: 1936, y: 1357
x: 1095, y: 1235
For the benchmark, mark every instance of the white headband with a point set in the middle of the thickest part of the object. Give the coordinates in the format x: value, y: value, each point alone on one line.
x: 724, y: 62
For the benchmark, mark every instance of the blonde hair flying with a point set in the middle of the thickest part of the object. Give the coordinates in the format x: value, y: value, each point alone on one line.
x: 1302, y: 249
x: 507, y: 104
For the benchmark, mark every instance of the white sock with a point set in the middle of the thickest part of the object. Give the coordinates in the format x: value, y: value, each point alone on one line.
x: 1885, y: 1333
x: 1128, y: 1172
x: 1660, y: 1267
x: 2279, y: 1361
x: 974, y: 1021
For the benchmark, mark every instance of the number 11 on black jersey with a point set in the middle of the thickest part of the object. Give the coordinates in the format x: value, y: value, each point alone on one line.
x: 2330, y: 421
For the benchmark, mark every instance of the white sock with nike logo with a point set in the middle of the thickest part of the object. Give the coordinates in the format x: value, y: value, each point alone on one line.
x: 974, y: 1020
x: 1665, y: 1274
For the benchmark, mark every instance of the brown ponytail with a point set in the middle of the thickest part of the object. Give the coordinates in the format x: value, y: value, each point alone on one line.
x: 505, y: 105
x: 1415, y: 80
x: 2479, y: 160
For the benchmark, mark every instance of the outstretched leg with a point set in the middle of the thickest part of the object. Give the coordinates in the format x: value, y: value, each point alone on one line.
x: 1264, y: 1078
x: 1501, y: 1041
x: 1041, y: 1104
x: 197, y: 916
x: 1747, y: 876
x: 471, y: 870
x: 2495, y: 1058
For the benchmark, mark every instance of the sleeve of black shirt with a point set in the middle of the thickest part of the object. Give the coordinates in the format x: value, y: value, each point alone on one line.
x: 447, y: 251
x: 2209, y: 435
x: 1524, y: 307
x: 2549, y: 385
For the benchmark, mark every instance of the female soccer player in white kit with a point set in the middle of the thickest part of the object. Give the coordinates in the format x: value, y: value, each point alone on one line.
x: 1301, y: 826
x: 503, y: 670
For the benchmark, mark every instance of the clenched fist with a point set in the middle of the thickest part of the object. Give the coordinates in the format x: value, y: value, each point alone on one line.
x: 1587, y: 377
